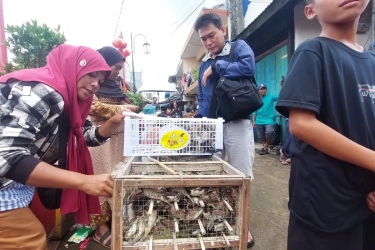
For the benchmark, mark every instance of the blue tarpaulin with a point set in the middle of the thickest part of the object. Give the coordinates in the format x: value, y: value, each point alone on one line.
x: 245, y: 5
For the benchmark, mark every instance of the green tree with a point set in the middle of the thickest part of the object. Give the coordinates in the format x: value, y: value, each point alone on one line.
x: 136, y: 99
x: 30, y: 43
x: 9, y: 67
x: 195, y: 74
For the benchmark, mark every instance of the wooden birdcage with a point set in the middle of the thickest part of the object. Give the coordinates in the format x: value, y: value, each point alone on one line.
x: 203, y: 205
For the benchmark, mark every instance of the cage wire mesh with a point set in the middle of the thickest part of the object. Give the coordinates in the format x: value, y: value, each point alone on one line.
x: 166, y: 215
x: 171, y: 214
x: 172, y: 136
x: 176, y: 213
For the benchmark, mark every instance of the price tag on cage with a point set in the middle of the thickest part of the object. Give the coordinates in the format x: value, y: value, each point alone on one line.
x: 174, y: 138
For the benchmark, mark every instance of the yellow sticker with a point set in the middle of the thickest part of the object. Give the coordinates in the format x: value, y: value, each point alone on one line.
x: 175, y: 139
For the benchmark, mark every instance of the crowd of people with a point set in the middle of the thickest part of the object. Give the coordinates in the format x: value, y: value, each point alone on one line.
x: 176, y: 110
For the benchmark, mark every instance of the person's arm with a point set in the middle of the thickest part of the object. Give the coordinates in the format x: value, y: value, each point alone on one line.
x: 27, y: 108
x: 45, y: 175
x: 104, y: 110
x: 111, y: 126
x: 254, y: 119
x: 96, y: 136
x: 243, y: 66
x: 304, y: 125
x: 301, y: 100
x: 30, y: 105
x: 132, y: 108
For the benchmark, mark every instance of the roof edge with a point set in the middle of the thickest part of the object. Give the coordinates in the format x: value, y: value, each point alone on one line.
x: 268, y: 12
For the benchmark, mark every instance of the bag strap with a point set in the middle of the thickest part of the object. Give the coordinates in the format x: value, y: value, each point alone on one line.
x: 213, y: 103
x: 231, y: 52
x: 63, y: 141
x: 252, y: 79
x: 231, y: 55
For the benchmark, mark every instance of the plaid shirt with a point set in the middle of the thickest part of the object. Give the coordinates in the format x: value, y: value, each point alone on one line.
x: 28, y: 134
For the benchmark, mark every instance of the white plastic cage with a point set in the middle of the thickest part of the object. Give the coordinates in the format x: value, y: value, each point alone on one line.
x: 172, y: 136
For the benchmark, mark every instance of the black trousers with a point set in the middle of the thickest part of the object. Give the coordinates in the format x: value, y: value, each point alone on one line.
x: 304, y: 237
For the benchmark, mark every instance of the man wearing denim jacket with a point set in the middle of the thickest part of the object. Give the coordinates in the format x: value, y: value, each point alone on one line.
x: 238, y: 134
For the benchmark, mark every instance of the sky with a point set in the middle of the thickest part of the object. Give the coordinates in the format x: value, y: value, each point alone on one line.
x: 93, y: 23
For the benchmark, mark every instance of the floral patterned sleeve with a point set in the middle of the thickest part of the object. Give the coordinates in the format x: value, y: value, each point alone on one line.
x: 105, y: 110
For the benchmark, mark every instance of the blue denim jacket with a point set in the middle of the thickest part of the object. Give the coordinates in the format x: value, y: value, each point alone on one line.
x: 243, y: 66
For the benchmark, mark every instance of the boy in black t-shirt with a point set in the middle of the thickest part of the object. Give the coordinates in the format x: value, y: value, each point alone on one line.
x: 329, y: 97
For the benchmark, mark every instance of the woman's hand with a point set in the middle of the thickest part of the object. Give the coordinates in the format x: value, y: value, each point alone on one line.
x: 132, y: 108
x: 125, y: 109
x: 45, y: 175
x: 117, y: 119
x: 111, y: 125
x: 98, y: 185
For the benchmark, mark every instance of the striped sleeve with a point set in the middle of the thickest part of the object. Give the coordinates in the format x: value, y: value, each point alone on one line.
x: 29, y: 107
x: 91, y: 134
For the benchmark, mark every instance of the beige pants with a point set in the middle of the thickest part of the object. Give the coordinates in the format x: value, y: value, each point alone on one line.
x: 20, y: 229
x: 239, y: 145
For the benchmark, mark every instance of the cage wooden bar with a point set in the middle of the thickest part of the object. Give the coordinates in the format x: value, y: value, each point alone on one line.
x: 204, y: 206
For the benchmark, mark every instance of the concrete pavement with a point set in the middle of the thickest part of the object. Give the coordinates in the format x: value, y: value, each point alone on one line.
x: 269, y: 213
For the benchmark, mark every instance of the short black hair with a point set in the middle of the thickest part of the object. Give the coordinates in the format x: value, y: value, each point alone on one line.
x: 206, y: 19
x: 188, y: 109
x: 309, y: 1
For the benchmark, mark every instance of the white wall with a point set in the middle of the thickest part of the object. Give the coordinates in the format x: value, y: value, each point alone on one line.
x: 304, y: 29
x: 307, y: 29
x: 189, y: 63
